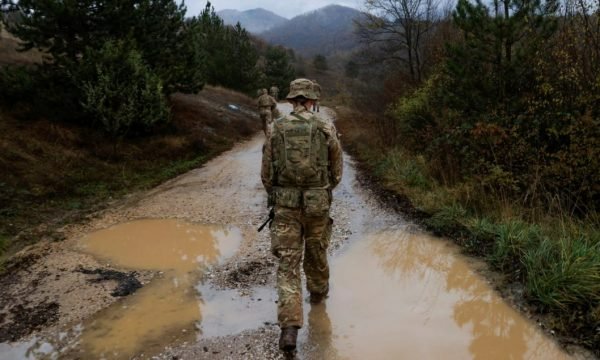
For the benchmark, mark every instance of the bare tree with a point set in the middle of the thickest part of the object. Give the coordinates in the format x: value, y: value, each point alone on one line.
x: 398, y: 30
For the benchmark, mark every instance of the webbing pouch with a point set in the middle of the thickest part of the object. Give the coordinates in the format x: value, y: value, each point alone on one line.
x: 316, y: 202
x: 288, y: 197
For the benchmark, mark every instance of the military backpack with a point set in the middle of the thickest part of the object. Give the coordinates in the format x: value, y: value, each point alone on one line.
x: 301, y: 155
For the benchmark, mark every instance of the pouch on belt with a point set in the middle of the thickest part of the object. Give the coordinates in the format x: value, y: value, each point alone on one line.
x: 316, y: 202
x: 288, y: 197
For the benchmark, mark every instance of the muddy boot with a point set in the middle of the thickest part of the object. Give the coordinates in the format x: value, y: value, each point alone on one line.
x: 287, y: 341
x: 317, y: 298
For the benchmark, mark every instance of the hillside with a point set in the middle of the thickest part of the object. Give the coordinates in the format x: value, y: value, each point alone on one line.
x: 324, y: 31
x: 9, y: 54
x: 255, y: 21
x: 53, y: 173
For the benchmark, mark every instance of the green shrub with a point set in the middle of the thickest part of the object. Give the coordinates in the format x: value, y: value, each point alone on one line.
x: 408, y: 171
x: 119, y: 92
x: 17, y: 84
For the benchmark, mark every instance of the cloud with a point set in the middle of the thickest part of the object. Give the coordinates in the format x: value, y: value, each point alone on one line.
x: 287, y: 9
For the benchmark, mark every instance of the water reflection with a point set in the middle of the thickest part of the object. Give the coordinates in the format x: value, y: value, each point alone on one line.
x: 399, y: 293
x: 320, y: 333
x: 168, y: 309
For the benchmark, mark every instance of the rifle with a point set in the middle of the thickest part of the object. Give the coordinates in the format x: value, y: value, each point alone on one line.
x: 269, y: 220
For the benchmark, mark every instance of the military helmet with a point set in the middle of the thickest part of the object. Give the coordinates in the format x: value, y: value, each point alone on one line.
x: 264, y: 91
x: 302, y: 87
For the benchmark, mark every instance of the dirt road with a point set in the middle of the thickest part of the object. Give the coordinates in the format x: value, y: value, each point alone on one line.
x: 208, y: 282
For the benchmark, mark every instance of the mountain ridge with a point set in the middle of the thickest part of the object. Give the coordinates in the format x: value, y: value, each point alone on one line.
x: 325, y: 31
x: 255, y: 20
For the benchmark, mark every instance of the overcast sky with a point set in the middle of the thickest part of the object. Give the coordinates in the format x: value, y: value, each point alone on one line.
x: 285, y: 8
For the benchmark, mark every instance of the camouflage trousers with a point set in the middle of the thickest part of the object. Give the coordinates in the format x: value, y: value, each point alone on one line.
x: 267, y: 118
x: 292, y: 236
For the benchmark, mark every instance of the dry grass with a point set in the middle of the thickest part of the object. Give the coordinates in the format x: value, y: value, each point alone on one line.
x: 49, y: 169
x: 9, y: 54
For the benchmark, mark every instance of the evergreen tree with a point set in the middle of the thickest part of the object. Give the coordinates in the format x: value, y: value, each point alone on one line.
x: 278, y: 68
x: 495, y: 60
x: 65, y: 29
x: 320, y: 63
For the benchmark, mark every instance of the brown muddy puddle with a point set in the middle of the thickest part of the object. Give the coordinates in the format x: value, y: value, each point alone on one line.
x: 399, y: 295
x: 165, y: 311
x: 394, y: 295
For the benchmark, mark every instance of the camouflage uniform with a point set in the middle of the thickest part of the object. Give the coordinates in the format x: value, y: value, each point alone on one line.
x: 317, y: 89
x: 275, y: 92
x: 267, y: 107
x: 302, y: 199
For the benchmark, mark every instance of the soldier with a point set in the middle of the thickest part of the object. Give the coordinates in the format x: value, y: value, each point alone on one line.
x: 267, y: 106
x: 301, y: 164
x: 275, y: 92
x: 317, y: 89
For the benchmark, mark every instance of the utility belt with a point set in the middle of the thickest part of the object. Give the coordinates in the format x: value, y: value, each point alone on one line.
x: 313, y: 202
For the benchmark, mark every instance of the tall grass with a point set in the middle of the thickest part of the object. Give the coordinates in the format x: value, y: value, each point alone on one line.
x: 555, y: 256
x: 564, y: 271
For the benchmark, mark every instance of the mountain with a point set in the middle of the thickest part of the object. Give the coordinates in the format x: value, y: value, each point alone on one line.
x: 324, y: 31
x: 255, y: 20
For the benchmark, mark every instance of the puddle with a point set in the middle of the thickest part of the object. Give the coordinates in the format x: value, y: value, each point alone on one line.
x: 164, y: 312
x: 168, y: 309
x: 225, y: 312
x: 400, y: 295
x: 394, y: 295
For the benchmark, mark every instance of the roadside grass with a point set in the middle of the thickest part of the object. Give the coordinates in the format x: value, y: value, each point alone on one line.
x: 555, y: 256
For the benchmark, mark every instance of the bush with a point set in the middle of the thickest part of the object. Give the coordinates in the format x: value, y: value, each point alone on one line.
x: 17, y: 84
x: 399, y: 168
x: 119, y: 92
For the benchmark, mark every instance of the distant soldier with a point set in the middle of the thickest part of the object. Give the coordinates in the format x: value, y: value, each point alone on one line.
x: 267, y: 106
x: 301, y: 164
x: 259, y: 92
x: 275, y: 92
x: 317, y: 89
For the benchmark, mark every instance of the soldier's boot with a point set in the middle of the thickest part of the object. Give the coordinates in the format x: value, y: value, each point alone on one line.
x: 287, y: 341
x: 317, y: 298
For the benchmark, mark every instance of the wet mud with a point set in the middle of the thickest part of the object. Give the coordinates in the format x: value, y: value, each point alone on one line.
x: 127, y: 283
x: 209, y: 282
x: 22, y: 320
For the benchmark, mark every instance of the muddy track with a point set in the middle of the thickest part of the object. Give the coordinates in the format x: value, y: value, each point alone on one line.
x: 395, y: 292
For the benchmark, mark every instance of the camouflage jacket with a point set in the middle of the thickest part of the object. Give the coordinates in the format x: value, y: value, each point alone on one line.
x: 333, y: 145
x: 267, y: 101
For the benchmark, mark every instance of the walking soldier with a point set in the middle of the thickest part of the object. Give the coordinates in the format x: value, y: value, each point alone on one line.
x: 267, y: 108
x: 301, y: 164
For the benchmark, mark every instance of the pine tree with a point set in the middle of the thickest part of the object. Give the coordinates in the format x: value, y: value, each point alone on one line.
x: 494, y: 62
x: 278, y: 68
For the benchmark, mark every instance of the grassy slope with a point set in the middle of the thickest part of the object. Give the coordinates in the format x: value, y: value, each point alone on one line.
x: 9, y: 55
x: 53, y: 173
x: 554, y: 259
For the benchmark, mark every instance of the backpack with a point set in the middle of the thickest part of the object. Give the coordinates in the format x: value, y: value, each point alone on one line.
x: 300, y: 152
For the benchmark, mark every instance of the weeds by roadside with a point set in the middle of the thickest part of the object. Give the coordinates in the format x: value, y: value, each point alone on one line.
x: 554, y: 256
